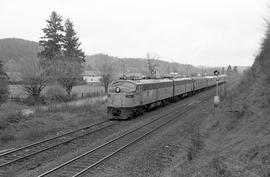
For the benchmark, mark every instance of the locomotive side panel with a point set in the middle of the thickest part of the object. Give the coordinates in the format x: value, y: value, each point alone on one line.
x: 165, y: 90
x: 211, y: 82
x: 189, y: 87
x: 200, y: 83
x: 182, y: 87
x: 148, y: 95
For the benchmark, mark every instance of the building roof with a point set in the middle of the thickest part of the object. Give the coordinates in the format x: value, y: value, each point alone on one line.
x: 90, y: 73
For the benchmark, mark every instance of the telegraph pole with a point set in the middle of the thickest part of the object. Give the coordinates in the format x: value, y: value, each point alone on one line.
x: 216, y: 98
x: 123, y: 67
x: 187, y: 70
x: 202, y: 70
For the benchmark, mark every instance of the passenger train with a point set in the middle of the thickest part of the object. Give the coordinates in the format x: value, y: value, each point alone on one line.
x: 130, y: 98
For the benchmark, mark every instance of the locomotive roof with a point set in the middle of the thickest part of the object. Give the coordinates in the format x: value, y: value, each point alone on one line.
x: 151, y: 81
x: 182, y: 79
x: 147, y: 81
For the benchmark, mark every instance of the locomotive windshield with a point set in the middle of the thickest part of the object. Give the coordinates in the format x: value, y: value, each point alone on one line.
x: 123, y: 87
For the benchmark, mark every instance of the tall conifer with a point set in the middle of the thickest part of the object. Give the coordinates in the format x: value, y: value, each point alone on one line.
x: 73, y: 57
x: 52, y: 40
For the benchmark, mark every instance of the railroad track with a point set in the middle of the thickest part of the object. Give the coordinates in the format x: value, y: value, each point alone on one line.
x: 22, y: 153
x: 17, y: 156
x: 90, y: 159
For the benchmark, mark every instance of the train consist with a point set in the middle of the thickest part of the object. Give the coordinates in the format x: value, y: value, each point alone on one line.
x: 129, y: 98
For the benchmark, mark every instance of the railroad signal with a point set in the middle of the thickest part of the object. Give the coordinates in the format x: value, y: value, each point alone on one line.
x: 216, y: 72
x: 216, y: 98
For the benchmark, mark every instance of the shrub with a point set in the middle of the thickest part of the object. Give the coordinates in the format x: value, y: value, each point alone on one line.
x: 74, y: 96
x: 196, y: 144
x: 13, y: 118
x: 56, y: 94
x: 6, y: 137
x: 35, y: 133
x: 193, y: 134
x: 3, y: 124
x: 30, y: 100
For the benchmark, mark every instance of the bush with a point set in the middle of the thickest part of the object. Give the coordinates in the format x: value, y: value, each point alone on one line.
x: 10, y: 118
x: 31, y: 101
x: 56, y: 94
x: 6, y: 137
x: 35, y: 133
x: 13, y: 117
x: 3, y: 124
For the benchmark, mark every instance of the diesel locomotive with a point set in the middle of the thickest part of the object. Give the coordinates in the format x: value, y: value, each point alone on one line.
x: 130, y: 98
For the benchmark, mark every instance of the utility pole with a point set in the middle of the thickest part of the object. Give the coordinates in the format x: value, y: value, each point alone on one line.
x: 216, y: 98
x: 187, y: 70
x: 202, y: 70
x: 123, y: 67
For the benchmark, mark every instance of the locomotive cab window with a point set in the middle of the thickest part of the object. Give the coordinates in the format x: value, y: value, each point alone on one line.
x: 123, y: 87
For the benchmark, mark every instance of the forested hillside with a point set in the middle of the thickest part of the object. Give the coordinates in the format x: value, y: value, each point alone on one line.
x: 16, y: 49
x: 139, y: 65
x: 12, y: 50
x: 235, y: 136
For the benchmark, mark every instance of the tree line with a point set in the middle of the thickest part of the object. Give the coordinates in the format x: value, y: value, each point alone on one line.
x: 59, y: 61
x: 61, y: 58
x: 229, y: 70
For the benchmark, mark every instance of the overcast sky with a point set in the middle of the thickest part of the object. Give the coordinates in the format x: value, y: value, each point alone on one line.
x: 198, y: 32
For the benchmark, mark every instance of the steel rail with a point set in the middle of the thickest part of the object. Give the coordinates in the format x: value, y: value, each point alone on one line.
x: 36, y: 145
x: 185, y: 109
x: 25, y: 148
x: 135, y: 140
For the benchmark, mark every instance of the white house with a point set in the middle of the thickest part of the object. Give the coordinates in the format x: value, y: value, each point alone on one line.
x: 91, y: 76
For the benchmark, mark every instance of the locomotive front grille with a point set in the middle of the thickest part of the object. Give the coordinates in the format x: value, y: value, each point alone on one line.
x: 116, y: 100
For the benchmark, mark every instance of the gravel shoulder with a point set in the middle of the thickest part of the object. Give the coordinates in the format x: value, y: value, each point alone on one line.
x: 156, y: 152
x: 81, y: 146
x: 178, y: 149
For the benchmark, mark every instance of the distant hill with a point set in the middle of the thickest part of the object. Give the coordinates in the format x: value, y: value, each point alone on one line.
x: 139, y: 65
x: 15, y: 49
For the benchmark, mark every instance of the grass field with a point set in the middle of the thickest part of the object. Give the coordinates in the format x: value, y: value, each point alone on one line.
x: 17, y: 90
x: 16, y: 129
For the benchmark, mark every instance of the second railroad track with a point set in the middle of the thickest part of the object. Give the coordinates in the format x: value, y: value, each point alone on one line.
x: 83, y: 163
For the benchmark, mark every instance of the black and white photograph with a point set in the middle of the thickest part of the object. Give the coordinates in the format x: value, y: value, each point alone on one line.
x: 135, y: 88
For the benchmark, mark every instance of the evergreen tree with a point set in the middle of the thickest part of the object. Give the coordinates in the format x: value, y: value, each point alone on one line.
x: 71, y: 45
x: 3, y: 85
x: 71, y: 64
x: 229, y: 69
x: 235, y: 69
x: 52, y: 40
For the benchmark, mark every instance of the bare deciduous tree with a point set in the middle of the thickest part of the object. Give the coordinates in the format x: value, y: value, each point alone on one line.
x: 104, y: 65
x: 70, y: 65
x: 152, y: 64
x: 34, y: 80
x: 68, y: 73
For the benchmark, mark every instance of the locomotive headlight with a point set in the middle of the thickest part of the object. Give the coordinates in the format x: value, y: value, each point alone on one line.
x: 117, y: 89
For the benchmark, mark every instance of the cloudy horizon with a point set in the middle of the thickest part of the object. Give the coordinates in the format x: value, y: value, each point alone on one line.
x: 209, y: 33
